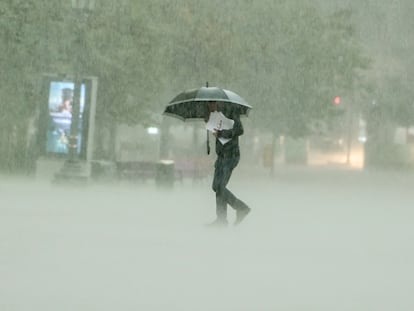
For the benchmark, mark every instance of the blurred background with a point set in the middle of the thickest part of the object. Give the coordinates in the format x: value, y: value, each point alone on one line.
x: 328, y: 81
x: 83, y: 87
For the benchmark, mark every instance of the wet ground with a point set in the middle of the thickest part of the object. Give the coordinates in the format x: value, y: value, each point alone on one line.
x: 315, y: 240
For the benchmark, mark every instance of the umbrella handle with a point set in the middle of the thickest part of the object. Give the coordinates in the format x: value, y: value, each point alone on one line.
x: 208, y: 143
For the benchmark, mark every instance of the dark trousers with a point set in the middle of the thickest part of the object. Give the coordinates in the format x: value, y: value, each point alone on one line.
x: 222, y: 173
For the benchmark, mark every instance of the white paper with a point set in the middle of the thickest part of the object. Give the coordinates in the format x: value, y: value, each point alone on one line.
x: 218, y: 121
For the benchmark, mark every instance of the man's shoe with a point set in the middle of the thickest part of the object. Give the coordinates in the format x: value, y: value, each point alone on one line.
x: 218, y: 223
x: 241, y: 214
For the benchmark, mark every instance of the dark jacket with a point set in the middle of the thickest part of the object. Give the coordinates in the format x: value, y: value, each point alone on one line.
x: 230, y: 149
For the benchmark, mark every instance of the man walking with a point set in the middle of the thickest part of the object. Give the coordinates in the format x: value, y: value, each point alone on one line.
x: 228, y: 156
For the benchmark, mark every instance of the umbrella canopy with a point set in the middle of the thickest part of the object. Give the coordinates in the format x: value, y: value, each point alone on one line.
x: 191, y: 104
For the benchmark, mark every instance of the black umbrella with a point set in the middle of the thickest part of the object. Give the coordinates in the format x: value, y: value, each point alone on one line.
x: 191, y: 104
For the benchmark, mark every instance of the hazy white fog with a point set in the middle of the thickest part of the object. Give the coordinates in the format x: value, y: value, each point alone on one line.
x: 329, y: 240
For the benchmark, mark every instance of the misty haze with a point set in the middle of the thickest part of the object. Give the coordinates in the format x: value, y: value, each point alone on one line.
x: 110, y: 200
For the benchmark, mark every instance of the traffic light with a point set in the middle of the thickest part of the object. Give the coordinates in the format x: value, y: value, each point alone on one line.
x: 337, y: 100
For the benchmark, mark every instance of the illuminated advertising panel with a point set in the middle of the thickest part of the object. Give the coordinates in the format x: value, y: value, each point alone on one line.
x: 60, y: 106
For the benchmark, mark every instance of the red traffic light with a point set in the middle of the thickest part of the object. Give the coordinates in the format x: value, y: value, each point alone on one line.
x: 337, y: 100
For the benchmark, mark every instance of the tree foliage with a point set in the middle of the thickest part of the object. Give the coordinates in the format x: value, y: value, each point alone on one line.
x: 285, y: 57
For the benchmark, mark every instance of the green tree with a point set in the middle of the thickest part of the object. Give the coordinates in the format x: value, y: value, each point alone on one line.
x: 25, y: 50
x: 314, y: 58
x: 278, y: 55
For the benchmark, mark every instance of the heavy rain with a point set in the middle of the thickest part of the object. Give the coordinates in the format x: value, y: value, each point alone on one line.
x: 107, y: 202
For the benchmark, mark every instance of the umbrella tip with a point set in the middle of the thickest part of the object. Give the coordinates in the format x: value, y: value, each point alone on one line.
x: 206, y: 83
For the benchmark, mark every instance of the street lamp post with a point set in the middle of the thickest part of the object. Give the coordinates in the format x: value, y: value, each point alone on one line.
x: 72, y: 169
x: 82, y: 8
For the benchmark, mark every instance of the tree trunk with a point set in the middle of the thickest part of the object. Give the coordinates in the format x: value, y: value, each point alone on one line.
x: 296, y: 151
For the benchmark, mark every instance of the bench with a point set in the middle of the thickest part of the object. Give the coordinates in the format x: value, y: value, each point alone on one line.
x: 195, y: 168
x: 163, y: 172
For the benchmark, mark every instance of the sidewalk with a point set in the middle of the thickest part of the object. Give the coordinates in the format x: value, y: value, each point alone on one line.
x: 331, y: 172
